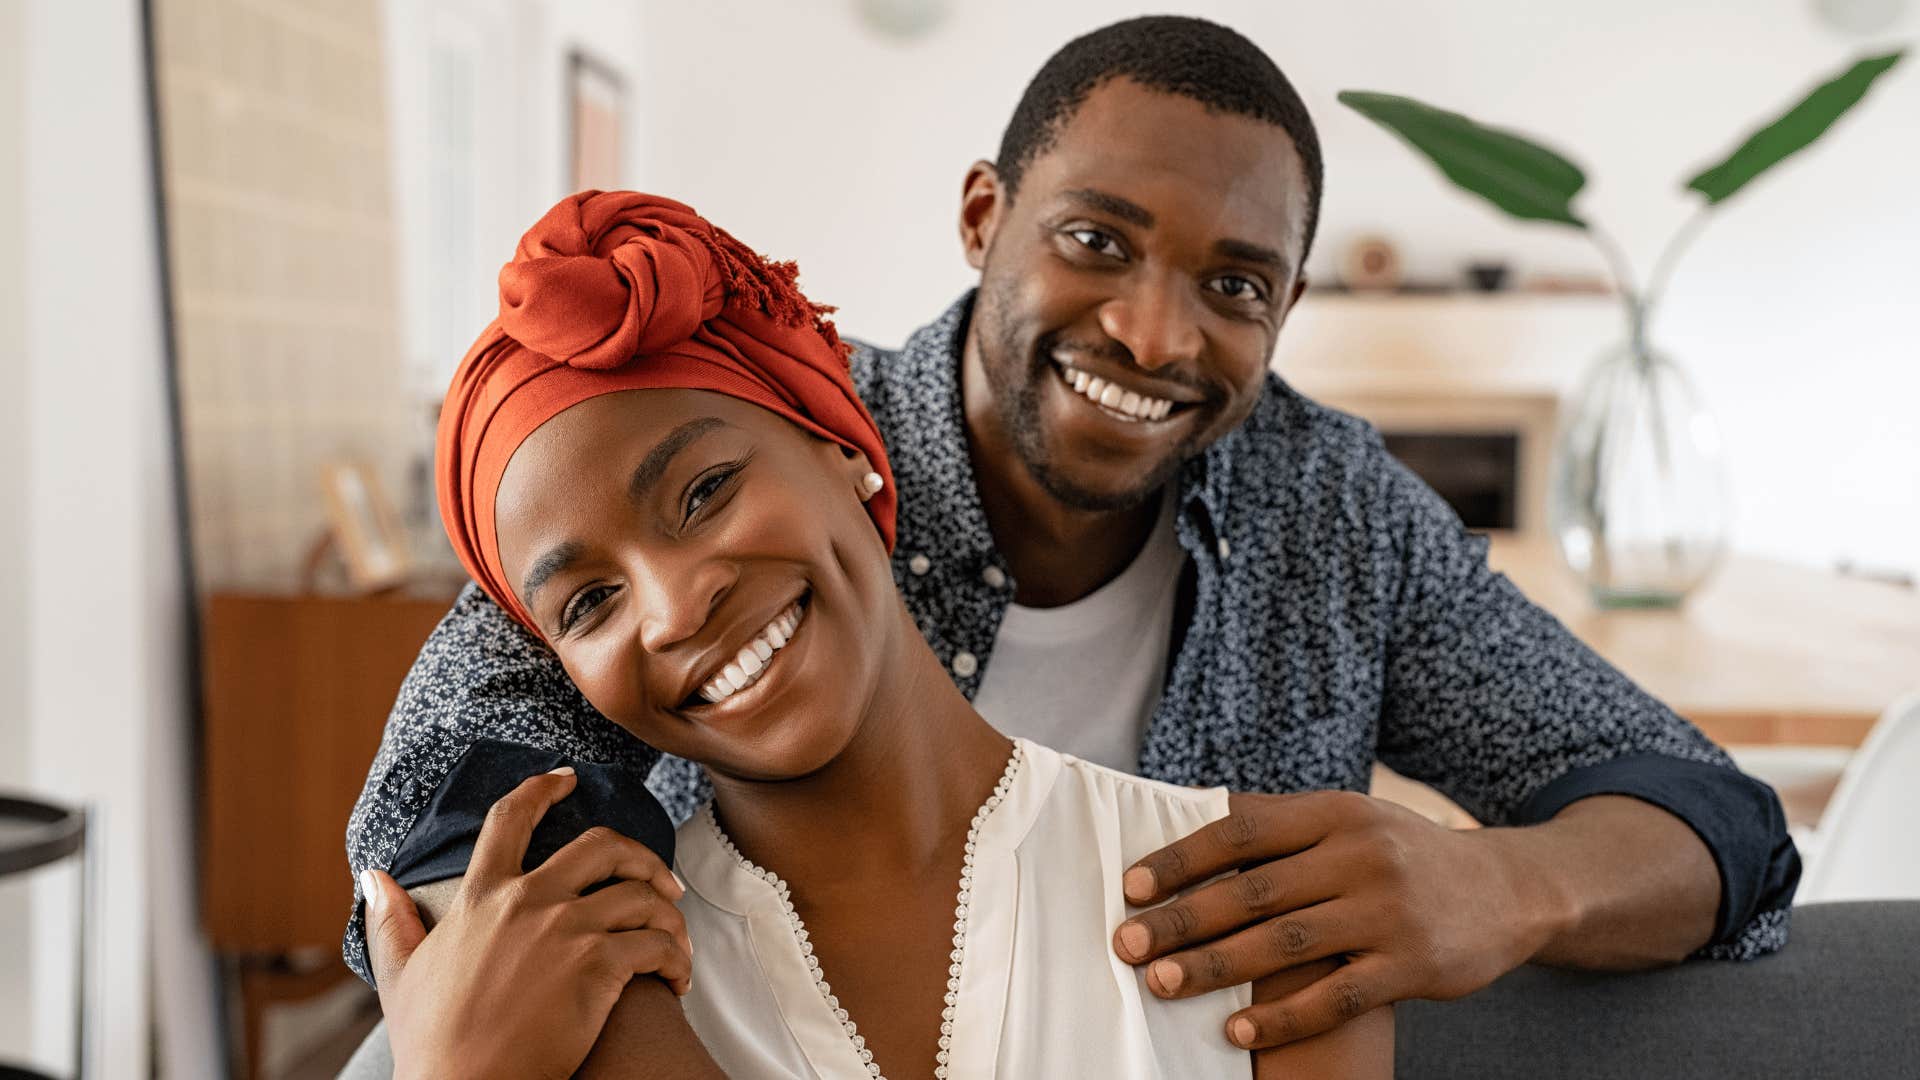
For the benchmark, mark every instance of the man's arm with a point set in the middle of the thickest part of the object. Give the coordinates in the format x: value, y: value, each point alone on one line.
x: 1491, y: 700
x: 1622, y: 838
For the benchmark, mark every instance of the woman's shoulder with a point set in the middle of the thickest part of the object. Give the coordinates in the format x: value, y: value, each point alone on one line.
x: 1142, y: 814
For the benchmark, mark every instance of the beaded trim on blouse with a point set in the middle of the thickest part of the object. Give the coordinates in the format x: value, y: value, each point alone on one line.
x: 962, y: 905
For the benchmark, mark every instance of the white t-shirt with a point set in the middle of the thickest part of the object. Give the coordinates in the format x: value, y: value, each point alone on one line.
x: 1085, y: 677
x: 1039, y: 992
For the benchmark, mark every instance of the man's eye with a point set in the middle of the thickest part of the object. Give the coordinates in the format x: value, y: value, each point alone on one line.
x: 1238, y: 288
x: 1096, y: 241
x: 583, y: 603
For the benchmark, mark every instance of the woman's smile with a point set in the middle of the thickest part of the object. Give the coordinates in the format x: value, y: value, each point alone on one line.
x: 749, y: 675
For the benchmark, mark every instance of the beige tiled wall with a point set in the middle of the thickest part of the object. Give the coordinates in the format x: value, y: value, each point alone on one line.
x: 281, y: 242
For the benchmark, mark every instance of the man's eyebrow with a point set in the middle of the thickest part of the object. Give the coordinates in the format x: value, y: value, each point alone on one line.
x: 557, y: 558
x: 648, y: 473
x: 1106, y: 202
x: 1253, y: 253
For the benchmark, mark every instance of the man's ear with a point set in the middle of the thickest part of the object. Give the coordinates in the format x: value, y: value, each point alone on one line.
x: 982, y: 200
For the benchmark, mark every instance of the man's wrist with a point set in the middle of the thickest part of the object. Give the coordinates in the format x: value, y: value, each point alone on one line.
x: 1543, y: 906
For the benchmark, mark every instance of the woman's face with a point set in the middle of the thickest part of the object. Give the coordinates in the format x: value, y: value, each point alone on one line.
x: 673, y: 545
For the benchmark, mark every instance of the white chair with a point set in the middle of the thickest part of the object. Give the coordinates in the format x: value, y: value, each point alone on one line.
x: 1870, y: 833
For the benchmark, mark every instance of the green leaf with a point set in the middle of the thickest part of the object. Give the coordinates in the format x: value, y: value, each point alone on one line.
x: 1508, y: 170
x: 1794, y: 130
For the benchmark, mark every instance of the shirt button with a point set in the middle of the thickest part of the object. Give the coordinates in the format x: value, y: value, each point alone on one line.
x: 1226, y: 549
x: 919, y: 564
x: 965, y: 664
x: 995, y: 577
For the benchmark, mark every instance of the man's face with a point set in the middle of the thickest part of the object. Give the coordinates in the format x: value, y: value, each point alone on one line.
x: 1131, y: 294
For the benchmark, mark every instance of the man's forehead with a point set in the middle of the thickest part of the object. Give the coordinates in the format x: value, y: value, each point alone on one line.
x: 1163, y: 150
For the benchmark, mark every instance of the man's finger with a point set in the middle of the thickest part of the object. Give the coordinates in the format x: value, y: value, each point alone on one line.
x: 502, y: 843
x: 1226, y: 905
x: 1348, y: 993
x: 394, y: 928
x: 601, y: 853
x: 1259, y: 828
x: 1290, y: 940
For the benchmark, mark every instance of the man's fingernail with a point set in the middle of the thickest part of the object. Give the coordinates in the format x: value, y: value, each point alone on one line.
x: 1138, y: 883
x: 1168, y: 975
x: 564, y: 770
x: 1135, y: 940
x: 370, y: 890
x: 1242, y: 1032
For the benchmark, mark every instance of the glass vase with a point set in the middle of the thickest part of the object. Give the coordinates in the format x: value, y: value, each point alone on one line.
x: 1639, y: 501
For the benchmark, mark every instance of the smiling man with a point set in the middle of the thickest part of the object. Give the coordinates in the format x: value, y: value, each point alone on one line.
x: 1126, y: 538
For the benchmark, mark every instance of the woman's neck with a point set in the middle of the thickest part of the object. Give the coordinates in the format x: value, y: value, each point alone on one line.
x: 893, y: 802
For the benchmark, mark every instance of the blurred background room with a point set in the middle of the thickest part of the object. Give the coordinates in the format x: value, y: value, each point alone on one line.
x: 243, y: 244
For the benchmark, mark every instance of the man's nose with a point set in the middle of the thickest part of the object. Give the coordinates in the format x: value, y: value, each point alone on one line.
x: 677, y: 598
x: 1156, y: 319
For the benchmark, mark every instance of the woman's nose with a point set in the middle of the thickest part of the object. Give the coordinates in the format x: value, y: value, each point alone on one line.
x: 1156, y: 320
x: 676, y: 599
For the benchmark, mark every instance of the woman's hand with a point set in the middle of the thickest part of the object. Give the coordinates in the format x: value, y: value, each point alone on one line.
x: 518, y: 978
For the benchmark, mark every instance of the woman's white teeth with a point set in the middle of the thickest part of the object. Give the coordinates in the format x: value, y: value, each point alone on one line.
x: 747, y: 665
x: 1129, y: 404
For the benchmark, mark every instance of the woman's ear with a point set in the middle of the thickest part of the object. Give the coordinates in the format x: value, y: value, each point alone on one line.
x: 866, y: 482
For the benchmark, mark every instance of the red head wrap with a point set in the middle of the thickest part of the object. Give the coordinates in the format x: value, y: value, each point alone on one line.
x: 615, y: 291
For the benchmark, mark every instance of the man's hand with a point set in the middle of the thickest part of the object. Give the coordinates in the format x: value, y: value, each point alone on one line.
x: 1418, y: 910
x: 519, y: 977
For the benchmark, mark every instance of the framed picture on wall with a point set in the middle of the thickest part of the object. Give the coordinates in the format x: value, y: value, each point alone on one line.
x: 365, y: 528
x: 597, y: 112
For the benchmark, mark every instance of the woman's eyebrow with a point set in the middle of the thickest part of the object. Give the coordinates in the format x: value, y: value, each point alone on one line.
x: 557, y: 558
x: 654, y: 465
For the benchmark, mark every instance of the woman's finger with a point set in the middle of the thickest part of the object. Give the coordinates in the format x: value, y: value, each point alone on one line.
x: 651, y: 952
x: 502, y: 843
x: 634, y: 905
x: 599, y: 854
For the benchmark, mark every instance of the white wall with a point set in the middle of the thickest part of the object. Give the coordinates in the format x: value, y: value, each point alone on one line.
x: 469, y: 180
x: 103, y: 603
x: 814, y: 138
x: 16, y: 1018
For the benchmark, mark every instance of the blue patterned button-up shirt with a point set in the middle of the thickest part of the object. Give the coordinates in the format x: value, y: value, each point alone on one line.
x: 1337, y: 614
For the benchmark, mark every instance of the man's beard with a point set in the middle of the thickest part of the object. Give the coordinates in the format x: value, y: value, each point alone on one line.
x: 1016, y: 387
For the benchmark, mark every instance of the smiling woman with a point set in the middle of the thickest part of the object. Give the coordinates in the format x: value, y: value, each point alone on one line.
x: 700, y: 533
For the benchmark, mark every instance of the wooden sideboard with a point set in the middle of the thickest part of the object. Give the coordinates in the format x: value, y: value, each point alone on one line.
x: 297, y: 689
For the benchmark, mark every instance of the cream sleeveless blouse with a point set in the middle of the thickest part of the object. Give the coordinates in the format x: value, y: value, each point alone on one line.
x: 1038, y: 991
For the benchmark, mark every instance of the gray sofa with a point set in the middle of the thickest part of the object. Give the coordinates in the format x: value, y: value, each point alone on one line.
x: 1842, y: 1000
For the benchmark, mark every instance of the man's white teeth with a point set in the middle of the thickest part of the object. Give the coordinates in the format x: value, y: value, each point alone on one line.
x: 1129, y: 404
x: 753, y: 659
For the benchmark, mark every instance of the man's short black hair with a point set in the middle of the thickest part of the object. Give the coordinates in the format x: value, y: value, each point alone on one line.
x: 1174, y: 54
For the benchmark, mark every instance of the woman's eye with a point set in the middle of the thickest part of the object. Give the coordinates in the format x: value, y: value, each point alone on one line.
x: 1236, y: 287
x: 1096, y: 241
x: 583, y: 604
x: 706, y: 488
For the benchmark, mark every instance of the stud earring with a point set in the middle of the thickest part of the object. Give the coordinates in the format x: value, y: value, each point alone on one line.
x: 871, y: 484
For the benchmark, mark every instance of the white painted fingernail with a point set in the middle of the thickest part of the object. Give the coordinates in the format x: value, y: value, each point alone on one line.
x: 564, y: 770
x: 370, y: 891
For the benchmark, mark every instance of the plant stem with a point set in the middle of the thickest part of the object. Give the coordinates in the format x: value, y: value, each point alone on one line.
x: 1663, y: 268
x: 1622, y: 275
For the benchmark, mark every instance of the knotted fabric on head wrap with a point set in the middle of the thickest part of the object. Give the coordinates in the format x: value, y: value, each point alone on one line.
x: 616, y: 291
